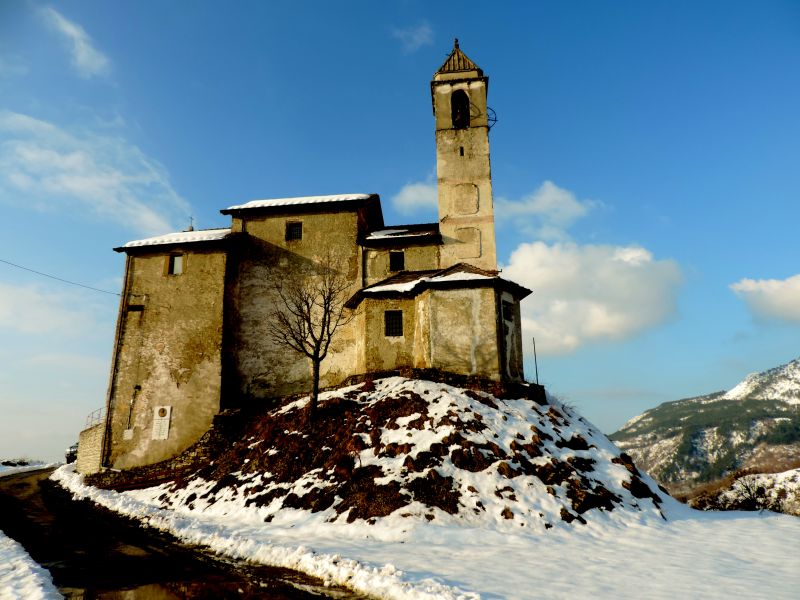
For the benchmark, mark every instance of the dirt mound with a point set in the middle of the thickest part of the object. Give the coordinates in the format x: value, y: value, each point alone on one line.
x: 409, y: 448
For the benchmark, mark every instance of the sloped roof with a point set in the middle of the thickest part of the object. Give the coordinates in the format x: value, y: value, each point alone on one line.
x: 179, y: 237
x: 303, y: 200
x: 410, y: 283
x: 457, y: 62
x: 418, y: 234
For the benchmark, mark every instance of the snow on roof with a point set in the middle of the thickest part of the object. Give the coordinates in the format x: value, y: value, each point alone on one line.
x: 272, y: 202
x: 408, y: 285
x: 396, y: 232
x: 181, y: 237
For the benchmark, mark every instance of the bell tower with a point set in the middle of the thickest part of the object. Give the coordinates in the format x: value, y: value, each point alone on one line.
x: 464, y: 177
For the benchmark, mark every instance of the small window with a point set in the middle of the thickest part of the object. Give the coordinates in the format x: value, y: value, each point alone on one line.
x: 508, y: 311
x: 461, y: 150
x: 397, y: 261
x: 294, y: 231
x: 394, y: 323
x: 175, y: 266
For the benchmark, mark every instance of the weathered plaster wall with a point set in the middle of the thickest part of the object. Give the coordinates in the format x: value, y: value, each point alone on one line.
x: 511, y: 332
x: 463, y: 169
x: 384, y: 352
x: 261, y: 369
x: 462, y: 338
x: 417, y: 258
x: 90, y: 449
x: 170, y: 347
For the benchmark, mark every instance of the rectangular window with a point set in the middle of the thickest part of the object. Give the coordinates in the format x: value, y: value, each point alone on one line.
x: 397, y: 261
x: 508, y: 311
x: 393, y: 319
x: 294, y: 231
x: 175, y: 265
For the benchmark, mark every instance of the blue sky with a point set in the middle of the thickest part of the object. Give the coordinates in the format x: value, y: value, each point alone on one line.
x: 644, y: 166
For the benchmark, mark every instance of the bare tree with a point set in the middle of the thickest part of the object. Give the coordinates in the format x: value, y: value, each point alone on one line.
x: 310, y: 310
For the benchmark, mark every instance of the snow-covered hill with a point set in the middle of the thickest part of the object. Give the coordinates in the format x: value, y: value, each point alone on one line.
x: 411, y: 450
x: 755, y: 425
x: 414, y: 489
x: 779, y: 492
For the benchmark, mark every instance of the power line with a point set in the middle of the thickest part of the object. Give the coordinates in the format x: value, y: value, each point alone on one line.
x: 88, y: 287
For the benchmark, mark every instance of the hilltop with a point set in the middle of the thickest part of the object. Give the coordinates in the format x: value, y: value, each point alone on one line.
x: 755, y: 426
x: 405, y: 449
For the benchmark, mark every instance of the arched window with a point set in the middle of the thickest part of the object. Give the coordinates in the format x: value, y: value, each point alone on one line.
x: 459, y: 109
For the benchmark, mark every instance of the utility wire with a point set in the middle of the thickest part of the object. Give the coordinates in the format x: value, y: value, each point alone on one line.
x: 88, y: 287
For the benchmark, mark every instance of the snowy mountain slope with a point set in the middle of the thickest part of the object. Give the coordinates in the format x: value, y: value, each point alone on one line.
x: 754, y: 425
x: 780, y: 383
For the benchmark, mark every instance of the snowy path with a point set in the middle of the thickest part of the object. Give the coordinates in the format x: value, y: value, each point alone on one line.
x: 20, y: 576
x: 709, y: 555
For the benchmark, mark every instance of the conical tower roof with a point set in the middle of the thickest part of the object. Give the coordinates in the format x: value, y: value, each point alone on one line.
x: 458, y: 62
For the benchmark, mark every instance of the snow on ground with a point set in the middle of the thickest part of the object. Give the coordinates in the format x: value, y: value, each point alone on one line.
x: 20, y: 577
x: 694, y: 555
x: 505, y: 540
x: 777, y: 489
x: 30, y: 466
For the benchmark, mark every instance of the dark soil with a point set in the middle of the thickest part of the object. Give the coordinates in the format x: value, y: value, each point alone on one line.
x: 289, y: 445
x: 94, y: 553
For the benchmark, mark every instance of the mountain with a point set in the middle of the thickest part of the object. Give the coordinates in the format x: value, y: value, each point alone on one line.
x: 754, y: 426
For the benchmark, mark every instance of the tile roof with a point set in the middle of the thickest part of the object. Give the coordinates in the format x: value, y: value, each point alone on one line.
x: 458, y: 61
x: 459, y: 275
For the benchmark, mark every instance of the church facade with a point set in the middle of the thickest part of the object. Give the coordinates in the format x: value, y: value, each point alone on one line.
x: 191, y: 331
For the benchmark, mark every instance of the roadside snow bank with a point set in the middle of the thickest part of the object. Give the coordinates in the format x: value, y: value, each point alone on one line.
x: 31, y: 466
x: 20, y: 576
x: 694, y: 555
x: 229, y: 539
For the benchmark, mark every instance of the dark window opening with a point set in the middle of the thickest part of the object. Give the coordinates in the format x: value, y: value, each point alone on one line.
x: 397, y: 261
x: 508, y: 311
x: 175, y: 264
x: 294, y: 231
x: 459, y: 109
x: 461, y: 151
x: 393, y: 320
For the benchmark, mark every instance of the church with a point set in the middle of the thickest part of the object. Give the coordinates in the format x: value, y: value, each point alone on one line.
x: 191, y: 337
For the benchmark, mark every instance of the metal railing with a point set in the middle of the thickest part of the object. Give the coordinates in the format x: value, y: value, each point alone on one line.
x: 95, y: 417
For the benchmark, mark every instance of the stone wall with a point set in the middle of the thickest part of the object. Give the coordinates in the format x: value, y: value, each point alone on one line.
x: 90, y: 449
x: 166, y: 384
x: 417, y: 258
x: 463, y: 326
x: 260, y: 368
x: 464, y: 178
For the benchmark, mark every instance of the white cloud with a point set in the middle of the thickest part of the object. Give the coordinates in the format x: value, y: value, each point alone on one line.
x: 771, y: 298
x: 592, y: 293
x: 87, y: 60
x: 32, y: 310
x: 50, y: 168
x: 413, y: 38
x: 416, y: 196
x: 546, y: 213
